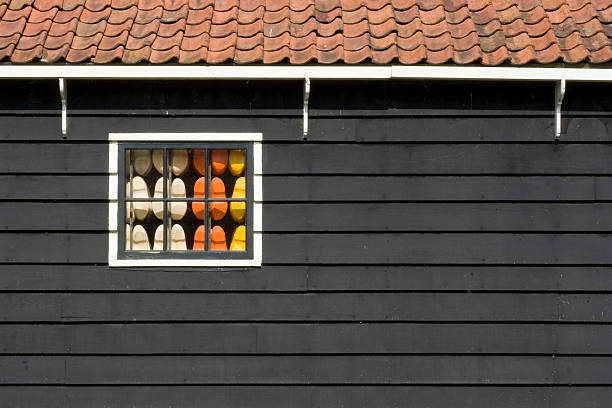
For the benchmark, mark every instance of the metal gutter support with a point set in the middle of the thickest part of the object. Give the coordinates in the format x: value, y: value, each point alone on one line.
x: 559, y: 94
x: 306, y: 97
x: 64, y: 98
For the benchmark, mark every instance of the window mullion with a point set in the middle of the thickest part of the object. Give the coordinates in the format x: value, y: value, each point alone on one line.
x: 165, y: 204
x: 206, y: 217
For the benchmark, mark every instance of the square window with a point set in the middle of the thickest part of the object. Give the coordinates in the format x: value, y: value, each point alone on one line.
x: 185, y: 200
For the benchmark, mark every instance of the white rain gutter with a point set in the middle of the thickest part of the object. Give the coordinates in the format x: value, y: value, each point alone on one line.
x: 560, y: 76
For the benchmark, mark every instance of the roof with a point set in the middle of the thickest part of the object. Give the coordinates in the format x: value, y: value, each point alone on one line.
x: 487, y: 32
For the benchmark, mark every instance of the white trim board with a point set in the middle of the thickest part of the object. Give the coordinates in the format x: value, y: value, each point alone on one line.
x: 113, y: 185
x: 178, y: 72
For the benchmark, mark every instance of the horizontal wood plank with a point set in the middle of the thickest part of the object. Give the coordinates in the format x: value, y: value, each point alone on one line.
x: 345, y: 248
x: 347, y: 217
x: 306, y: 278
x: 306, y: 396
x: 346, y: 188
x: 305, y: 338
x: 134, y: 306
x: 380, y: 159
x: 355, y: 159
x: 339, y: 217
x: 68, y: 187
x: 287, y: 127
x: 438, y: 369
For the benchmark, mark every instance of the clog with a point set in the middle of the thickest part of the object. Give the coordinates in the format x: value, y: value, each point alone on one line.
x: 217, y: 239
x: 218, y: 209
x: 238, y: 209
x: 137, y: 189
x: 198, y: 239
x: 140, y: 239
x: 239, y: 239
x: 158, y: 160
x: 158, y: 241
x: 199, y: 192
x: 177, y: 239
x: 177, y: 209
x: 142, y: 161
x: 218, y: 161
x: 158, y: 206
x: 179, y: 161
x: 198, y: 161
x: 237, y: 160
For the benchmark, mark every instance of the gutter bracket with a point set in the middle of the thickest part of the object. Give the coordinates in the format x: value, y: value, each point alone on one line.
x: 64, y: 97
x: 305, y: 112
x: 559, y: 94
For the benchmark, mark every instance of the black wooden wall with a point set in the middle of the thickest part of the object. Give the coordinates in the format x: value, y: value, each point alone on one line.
x: 429, y: 245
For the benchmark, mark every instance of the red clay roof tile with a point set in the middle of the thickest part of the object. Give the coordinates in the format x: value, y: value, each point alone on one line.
x: 54, y: 55
x: 118, y: 16
x: 46, y: 5
x: 113, y: 30
x: 36, y: 28
x: 56, y: 42
x: 40, y: 16
x: 490, y: 32
x: 108, y: 43
x: 81, y: 43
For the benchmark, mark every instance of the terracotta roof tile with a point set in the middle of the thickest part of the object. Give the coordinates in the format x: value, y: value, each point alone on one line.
x: 46, y: 5
x: 113, y: 30
x: 146, y: 16
x: 108, y: 43
x: 489, y: 32
x: 14, y: 15
x: 36, y: 28
x: 54, y: 55
x: 27, y: 55
x: 81, y: 43
x: 56, y: 42
x: 119, y: 16
x: 106, y: 56
x: 40, y: 16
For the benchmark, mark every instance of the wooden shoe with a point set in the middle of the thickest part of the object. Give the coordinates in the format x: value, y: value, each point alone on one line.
x: 238, y: 209
x: 218, y: 160
x: 177, y: 239
x: 198, y: 239
x: 239, y: 239
x: 177, y: 209
x: 217, y: 239
x: 218, y: 209
x: 142, y: 161
x: 179, y: 161
x: 237, y: 161
x: 199, y: 192
x: 139, y: 189
x: 140, y: 239
x: 158, y: 160
x: 158, y: 241
x: 158, y: 206
x: 198, y: 161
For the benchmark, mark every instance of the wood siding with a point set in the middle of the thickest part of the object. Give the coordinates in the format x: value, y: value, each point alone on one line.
x: 428, y: 245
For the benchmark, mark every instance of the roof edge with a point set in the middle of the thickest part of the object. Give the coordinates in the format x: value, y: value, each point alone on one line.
x: 228, y: 72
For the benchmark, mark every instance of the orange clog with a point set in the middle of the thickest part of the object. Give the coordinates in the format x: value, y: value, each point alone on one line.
x: 199, y: 192
x: 198, y: 161
x: 239, y: 239
x: 217, y: 239
x: 218, y: 160
x: 218, y: 209
x: 198, y: 239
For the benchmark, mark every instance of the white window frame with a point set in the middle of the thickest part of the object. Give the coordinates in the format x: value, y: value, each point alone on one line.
x: 113, y: 185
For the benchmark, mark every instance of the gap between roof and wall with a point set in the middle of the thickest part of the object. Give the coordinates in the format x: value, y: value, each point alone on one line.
x: 306, y: 73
